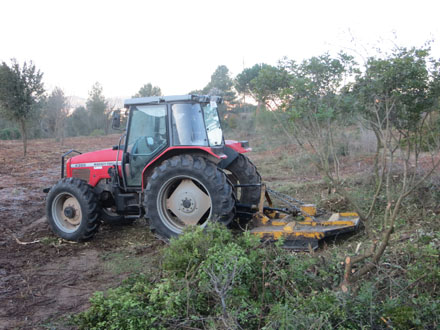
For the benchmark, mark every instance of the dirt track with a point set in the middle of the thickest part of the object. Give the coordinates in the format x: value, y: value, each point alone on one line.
x: 41, y: 277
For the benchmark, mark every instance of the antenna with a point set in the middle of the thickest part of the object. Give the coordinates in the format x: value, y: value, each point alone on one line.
x: 244, y: 94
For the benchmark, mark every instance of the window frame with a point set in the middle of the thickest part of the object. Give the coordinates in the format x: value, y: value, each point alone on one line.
x: 157, y: 151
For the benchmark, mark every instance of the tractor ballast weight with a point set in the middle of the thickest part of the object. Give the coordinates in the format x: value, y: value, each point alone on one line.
x: 174, y: 166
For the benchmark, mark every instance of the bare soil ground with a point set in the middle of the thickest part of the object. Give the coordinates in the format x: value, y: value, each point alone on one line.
x: 41, y: 277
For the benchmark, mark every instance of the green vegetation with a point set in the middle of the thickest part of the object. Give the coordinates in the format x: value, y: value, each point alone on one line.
x: 21, y: 94
x: 97, y: 132
x: 121, y: 262
x: 148, y: 90
x: 213, y: 279
x: 9, y: 134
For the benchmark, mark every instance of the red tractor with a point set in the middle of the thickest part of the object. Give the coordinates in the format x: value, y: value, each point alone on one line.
x: 172, y: 165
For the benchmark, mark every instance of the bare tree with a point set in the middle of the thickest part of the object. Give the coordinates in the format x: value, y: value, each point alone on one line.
x: 55, y: 113
x: 222, y: 282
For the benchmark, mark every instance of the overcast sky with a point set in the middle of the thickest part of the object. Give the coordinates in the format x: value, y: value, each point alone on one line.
x: 178, y: 44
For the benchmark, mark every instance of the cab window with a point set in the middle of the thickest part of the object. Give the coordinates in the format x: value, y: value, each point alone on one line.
x: 147, y: 136
x: 187, y: 125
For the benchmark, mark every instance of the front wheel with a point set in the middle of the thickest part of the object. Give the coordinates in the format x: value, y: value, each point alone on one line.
x: 185, y: 191
x: 72, y: 210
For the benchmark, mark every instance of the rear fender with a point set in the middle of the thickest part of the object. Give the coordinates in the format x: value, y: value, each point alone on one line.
x: 232, y: 150
x: 239, y: 146
x: 205, y: 152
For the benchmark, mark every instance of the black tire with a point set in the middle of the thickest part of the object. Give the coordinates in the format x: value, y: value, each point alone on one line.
x: 168, y: 179
x: 114, y: 219
x: 77, y: 197
x: 244, y: 172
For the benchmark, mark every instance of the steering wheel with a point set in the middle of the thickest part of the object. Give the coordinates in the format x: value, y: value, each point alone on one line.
x: 149, y: 141
x: 135, y: 149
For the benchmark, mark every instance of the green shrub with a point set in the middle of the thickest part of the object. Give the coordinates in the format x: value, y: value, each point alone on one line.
x: 97, y: 132
x: 212, y: 278
x: 232, y: 121
x: 125, y: 307
x: 10, y: 134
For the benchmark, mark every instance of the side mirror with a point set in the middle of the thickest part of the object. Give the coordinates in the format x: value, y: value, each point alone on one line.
x: 116, y: 120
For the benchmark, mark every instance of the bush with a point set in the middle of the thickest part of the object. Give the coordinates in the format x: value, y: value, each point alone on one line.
x: 10, y: 134
x: 232, y: 121
x: 213, y: 279
x: 125, y: 307
x: 97, y: 132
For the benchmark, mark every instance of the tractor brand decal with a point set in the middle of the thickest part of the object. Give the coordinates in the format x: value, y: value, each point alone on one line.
x: 96, y: 165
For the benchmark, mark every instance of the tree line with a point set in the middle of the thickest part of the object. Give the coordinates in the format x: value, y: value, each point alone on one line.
x: 28, y: 111
x: 320, y: 87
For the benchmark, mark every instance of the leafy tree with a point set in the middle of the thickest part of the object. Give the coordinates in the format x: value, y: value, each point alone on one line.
x: 21, y: 94
x: 316, y: 86
x: 269, y: 83
x: 221, y: 84
x: 55, y: 113
x: 263, y: 82
x: 398, y: 85
x: 243, y: 80
x: 78, y: 123
x: 148, y: 90
x: 97, y: 105
x: 317, y: 106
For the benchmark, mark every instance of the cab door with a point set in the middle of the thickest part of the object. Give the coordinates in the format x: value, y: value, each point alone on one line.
x: 146, y: 138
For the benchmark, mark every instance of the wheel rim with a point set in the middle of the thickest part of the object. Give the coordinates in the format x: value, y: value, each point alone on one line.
x: 66, y: 212
x: 183, y: 201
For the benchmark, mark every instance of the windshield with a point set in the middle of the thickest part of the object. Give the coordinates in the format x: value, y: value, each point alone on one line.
x: 212, y: 122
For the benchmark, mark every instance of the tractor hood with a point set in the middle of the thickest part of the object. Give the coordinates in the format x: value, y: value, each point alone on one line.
x: 95, y: 158
x: 93, y: 166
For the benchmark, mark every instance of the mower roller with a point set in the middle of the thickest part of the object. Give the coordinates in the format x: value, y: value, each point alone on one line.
x: 174, y: 167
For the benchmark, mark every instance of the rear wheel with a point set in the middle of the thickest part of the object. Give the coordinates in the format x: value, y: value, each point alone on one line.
x: 243, y: 171
x: 72, y: 209
x: 186, y: 191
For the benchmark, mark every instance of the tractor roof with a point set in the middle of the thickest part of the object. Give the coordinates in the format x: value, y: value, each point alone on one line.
x: 172, y: 98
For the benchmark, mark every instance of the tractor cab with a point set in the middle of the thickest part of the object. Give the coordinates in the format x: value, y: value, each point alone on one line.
x: 156, y: 124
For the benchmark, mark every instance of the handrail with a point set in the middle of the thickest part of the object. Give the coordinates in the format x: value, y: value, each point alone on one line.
x: 62, y: 160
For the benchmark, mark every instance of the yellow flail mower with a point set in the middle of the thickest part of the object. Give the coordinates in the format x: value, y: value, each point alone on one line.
x: 299, y: 225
